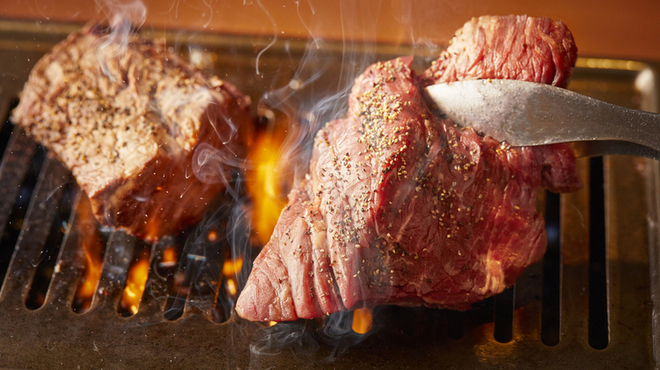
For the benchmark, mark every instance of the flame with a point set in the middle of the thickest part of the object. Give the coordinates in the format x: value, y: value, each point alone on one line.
x: 231, y: 287
x: 153, y: 225
x: 230, y: 269
x: 92, y: 246
x: 135, y: 284
x: 212, y: 236
x: 265, y: 180
x: 168, y: 258
x: 362, y: 320
x: 92, y: 273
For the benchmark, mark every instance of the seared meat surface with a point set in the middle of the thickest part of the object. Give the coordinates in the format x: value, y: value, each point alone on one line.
x: 404, y: 207
x: 127, y: 117
x: 514, y: 47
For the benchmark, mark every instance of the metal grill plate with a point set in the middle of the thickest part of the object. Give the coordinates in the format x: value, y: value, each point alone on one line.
x: 53, y: 336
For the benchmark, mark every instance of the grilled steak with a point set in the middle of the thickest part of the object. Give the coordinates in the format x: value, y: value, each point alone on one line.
x: 513, y: 47
x: 127, y: 118
x: 404, y: 207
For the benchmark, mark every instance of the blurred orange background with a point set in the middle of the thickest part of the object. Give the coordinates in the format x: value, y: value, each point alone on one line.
x: 605, y: 28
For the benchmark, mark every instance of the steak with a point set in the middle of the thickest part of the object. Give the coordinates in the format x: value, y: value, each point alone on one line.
x: 402, y: 206
x: 513, y: 47
x: 130, y: 119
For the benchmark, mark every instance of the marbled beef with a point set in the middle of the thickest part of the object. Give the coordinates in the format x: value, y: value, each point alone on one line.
x: 127, y: 116
x: 403, y: 207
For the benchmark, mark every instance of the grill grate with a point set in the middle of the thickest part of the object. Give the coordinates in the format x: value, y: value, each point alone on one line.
x: 588, y: 304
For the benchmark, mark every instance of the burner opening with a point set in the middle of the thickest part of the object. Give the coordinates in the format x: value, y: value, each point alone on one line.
x: 551, y: 307
x: 178, y: 284
x: 208, y: 259
x: 223, y: 301
x: 46, y: 266
x: 14, y: 224
x: 138, y: 272
x: 455, y: 324
x: 599, y: 330
x: 91, y: 243
x: 6, y: 130
x: 166, y: 260
x: 503, y: 322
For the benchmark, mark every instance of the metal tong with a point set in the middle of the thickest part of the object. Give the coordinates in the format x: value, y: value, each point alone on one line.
x: 527, y: 114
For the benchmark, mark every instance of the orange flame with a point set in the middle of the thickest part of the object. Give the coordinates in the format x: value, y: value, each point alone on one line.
x: 230, y: 269
x: 92, y: 246
x: 153, y: 225
x: 92, y: 273
x: 231, y: 287
x: 135, y: 284
x: 362, y: 320
x: 268, y: 180
x: 168, y: 258
x: 265, y: 180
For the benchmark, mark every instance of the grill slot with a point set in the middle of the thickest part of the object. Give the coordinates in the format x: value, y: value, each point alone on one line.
x: 141, y: 257
x: 7, y: 127
x: 503, y: 320
x: 19, y: 211
x: 48, y: 257
x: 10, y: 187
x: 118, y: 255
x: 180, y: 282
x: 653, y: 189
x: 455, y: 324
x: 36, y: 224
x: 552, y: 318
x: 550, y: 312
x: 91, y: 245
x: 598, y: 303
x: 158, y: 283
x: 70, y: 263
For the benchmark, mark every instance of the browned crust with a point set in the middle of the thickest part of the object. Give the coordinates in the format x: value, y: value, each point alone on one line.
x: 126, y: 117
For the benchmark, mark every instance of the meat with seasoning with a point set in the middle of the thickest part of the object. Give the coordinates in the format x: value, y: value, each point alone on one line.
x: 401, y: 206
x: 127, y: 117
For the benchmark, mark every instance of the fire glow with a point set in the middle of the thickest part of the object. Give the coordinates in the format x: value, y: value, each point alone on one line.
x: 153, y: 225
x: 91, y: 278
x: 212, y: 236
x: 135, y: 285
x: 264, y: 183
x: 265, y: 186
x: 230, y: 269
x: 168, y: 258
x: 92, y: 246
x: 362, y: 320
x: 138, y: 272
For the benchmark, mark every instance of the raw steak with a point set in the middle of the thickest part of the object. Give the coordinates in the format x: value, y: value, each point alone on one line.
x: 403, y: 207
x: 127, y: 117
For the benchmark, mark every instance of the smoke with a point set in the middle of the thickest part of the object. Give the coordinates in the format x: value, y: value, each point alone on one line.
x: 430, y: 23
x: 306, y: 337
x: 308, y: 87
x: 295, y: 337
x: 118, y: 11
x: 315, y: 94
x: 318, y: 89
x: 212, y: 165
x: 123, y: 18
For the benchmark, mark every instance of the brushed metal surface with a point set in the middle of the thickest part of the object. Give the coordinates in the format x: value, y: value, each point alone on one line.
x: 527, y: 114
x: 54, y: 336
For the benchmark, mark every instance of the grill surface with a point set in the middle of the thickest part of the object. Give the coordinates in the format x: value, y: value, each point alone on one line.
x: 589, y: 304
